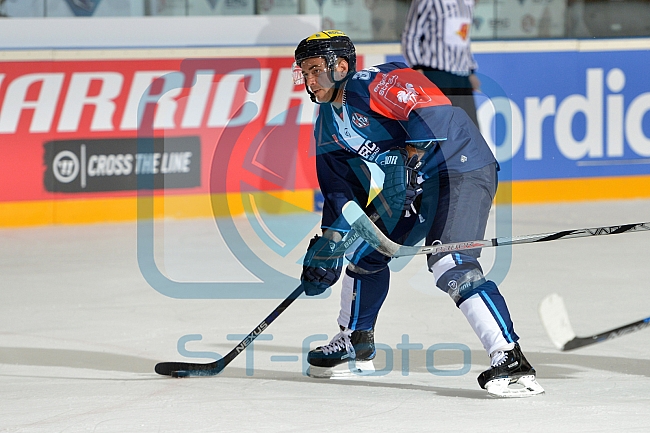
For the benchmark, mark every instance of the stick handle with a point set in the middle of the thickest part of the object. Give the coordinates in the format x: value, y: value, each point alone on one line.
x: 360, y: 222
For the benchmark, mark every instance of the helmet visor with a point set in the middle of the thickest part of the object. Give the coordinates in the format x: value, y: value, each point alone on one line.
x: 317, y: 70
x: 296, y: 72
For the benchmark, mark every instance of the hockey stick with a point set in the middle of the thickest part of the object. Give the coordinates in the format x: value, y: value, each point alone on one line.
x: 555, y: 319
x: 360, y: 222
x: 185, y: 369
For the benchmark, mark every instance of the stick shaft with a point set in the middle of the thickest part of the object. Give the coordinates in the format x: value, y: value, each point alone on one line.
x: 378, y: 240
x: 607, y: 335
x: 212, y: 368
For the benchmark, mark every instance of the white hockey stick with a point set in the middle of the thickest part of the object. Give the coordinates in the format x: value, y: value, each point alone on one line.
x: 555, y: 319
x: 360, y: 222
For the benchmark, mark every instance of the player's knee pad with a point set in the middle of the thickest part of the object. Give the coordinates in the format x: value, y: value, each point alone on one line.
x: 461, y: 285
x: 459, y: 278
x: 487, y: 288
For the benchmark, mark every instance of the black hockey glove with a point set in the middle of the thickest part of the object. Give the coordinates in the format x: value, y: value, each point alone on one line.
x: 400, y: 182
x: 322, y: 265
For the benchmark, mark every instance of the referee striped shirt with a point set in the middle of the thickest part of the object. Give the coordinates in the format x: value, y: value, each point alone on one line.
x: 437, y: 35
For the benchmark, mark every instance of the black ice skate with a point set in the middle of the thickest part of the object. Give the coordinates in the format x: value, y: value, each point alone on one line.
x: 349, y: 353
x: 511, y: 375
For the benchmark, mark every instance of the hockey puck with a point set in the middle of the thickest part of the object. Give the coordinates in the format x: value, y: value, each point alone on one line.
x: 180, y: 373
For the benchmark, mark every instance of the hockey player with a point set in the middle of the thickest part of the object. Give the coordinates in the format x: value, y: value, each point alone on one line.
x: 440, y: 178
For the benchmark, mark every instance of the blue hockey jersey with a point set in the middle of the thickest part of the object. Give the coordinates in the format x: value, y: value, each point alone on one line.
x: 384, y: 107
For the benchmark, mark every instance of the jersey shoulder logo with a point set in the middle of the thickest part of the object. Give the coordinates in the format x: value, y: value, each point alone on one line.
x: 396, y: 93
x: 365, y: 74
x: 408, y: 94
x: 401, y: 97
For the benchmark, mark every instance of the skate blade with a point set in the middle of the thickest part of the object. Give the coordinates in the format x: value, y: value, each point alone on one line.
x: 341, y: 371
x: 525, y: 386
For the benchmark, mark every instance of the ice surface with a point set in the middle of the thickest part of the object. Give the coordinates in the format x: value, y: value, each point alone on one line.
x: 81, y: 330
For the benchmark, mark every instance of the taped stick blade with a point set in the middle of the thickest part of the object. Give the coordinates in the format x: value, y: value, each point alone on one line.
x: 555, y: 319
x: 352, y: 212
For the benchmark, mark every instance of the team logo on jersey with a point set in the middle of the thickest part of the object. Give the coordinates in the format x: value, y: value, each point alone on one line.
x: 457, y: 31
x: 408, y: 94
x: 402, y: 97
x: 360, y: 120
x: 463, y: 32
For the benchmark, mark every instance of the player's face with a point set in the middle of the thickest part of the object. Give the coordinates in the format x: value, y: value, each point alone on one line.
x: 317, y: 77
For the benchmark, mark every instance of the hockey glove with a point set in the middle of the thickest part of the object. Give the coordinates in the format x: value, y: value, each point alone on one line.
x: 401, y: 187
x: 322, y: 265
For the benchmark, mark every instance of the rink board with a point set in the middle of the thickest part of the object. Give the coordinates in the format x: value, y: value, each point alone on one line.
x: 85, y: 134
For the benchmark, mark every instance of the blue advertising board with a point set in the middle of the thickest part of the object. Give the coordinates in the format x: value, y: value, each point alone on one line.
x: 567, y: 114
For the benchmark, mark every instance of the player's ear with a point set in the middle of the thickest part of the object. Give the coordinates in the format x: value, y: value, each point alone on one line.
x: 342, y: 68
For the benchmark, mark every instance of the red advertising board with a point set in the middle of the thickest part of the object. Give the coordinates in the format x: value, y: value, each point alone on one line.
x: 87, y: 129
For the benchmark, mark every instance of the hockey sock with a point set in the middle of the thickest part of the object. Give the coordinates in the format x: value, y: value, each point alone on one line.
x: 362, y: 296
x: 488, y: 315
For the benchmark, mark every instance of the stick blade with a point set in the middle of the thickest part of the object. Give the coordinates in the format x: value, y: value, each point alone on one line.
x: 555, y: 319
x: 186, y: 369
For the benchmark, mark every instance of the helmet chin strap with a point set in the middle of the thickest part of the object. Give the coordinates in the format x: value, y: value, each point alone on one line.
x: 337, y: 89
